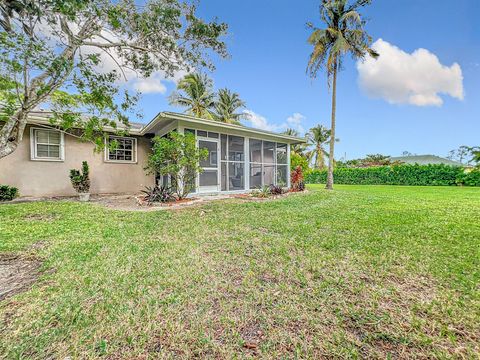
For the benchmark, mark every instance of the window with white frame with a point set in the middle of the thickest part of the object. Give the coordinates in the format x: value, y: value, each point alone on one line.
x: 268, y: 163
x: 47, y: 144
x: 121, y: 149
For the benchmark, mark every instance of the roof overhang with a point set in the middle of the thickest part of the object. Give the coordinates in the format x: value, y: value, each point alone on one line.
x: 231, y: 128
x: 163, y: 118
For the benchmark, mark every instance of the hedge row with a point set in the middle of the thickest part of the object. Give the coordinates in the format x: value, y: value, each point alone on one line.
x: 421, y: 175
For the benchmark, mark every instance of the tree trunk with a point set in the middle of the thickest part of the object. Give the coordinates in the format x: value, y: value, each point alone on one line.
x: 11, y: 134
x: 329, y: 185
x: 319, y: 158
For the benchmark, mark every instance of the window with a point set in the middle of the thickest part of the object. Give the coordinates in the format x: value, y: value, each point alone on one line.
x: 233, y: 162
x: 268, y: 164
x: 124, y: 152
x: 202, y: 133
x: 47, y: 145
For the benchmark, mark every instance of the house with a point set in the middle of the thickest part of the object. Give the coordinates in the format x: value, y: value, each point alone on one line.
x: 240, y: 158
x: 425, y: 160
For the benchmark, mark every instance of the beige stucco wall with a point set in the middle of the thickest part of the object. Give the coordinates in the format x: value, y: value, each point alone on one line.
x: 50, y: 178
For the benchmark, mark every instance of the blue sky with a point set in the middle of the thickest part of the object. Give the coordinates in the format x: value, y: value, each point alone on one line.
x: 267, y: 43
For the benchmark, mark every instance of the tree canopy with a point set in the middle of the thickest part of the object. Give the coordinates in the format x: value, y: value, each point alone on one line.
x: 195, y: 94
x: 51, y: 54
x: 227, y: 104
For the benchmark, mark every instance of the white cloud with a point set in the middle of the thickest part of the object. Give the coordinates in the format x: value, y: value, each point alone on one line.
x: 401, y: 78
x: 295, y: 122
x: 153, y: 84
x: 260, y: 122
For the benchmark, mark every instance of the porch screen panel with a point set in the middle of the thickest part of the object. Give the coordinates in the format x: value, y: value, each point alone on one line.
x: 268, y: 164
x: 282, y: 164
x: 232, y: 162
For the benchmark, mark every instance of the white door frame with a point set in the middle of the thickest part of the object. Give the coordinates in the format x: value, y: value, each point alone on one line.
x: 209, y: 189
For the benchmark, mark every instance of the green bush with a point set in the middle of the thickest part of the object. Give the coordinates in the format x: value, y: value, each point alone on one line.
x: 80, y: 178
x: 471, y: 178
x: 177, y: 156
x: 420, y: 175
x: 8, y: 193
x: 298, y: 160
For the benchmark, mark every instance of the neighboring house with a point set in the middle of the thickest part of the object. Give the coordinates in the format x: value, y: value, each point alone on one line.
x: 425, y: 160
x: 240, y: 158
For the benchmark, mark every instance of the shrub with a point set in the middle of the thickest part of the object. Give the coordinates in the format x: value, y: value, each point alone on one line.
x: 471, y: 178
x: 157, y: 193
x: 276, y: 190
x: 262, y: 192
x: 8, y: 193
x: 422, y: 175
x: 297, y: 180
x: 177, y: 156
x: 298, y: 160
x: 80, y: 178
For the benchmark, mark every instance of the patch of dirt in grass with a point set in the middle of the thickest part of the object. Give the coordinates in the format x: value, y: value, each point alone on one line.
x: 17, y: 274
x: 252, y: 335
x: 40, y: 217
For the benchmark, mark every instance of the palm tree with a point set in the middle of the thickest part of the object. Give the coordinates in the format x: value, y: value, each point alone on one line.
x: 226, y: 105
x: 344, y: 34
x: 196, y: 95
x: 297, y: 148
x: 318, y: 137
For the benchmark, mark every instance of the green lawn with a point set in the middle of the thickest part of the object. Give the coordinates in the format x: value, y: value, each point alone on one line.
x: 364, y: 271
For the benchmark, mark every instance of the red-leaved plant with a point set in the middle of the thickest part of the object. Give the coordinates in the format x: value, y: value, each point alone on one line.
x: 296, y: 178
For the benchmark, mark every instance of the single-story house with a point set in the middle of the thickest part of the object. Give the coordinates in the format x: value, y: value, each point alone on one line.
x: 240, y: 158
x: 425, y: 160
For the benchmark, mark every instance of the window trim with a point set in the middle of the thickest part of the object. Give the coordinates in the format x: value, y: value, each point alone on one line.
x: 107, y: 150
x: 33, y: 145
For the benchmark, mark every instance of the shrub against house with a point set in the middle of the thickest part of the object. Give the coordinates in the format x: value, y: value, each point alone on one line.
x: 8, y: 193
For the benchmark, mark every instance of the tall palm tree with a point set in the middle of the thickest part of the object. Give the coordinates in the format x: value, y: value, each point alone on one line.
x: 318, y: 137
x: 195, y: 93
x: 344, y: 34
x: 226, y: 106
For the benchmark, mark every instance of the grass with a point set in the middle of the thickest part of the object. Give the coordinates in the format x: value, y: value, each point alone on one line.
x: 363, y: 271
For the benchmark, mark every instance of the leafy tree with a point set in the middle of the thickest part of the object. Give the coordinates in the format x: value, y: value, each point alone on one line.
x: 375, y: 160
x: 318, y: 137
x: 195, y: 93
x: 178, y: 157
x: 344, y: 34
x: 465, y: 154
x: 476, y: 156
x: 226, y: 107
x: 51, y: 55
